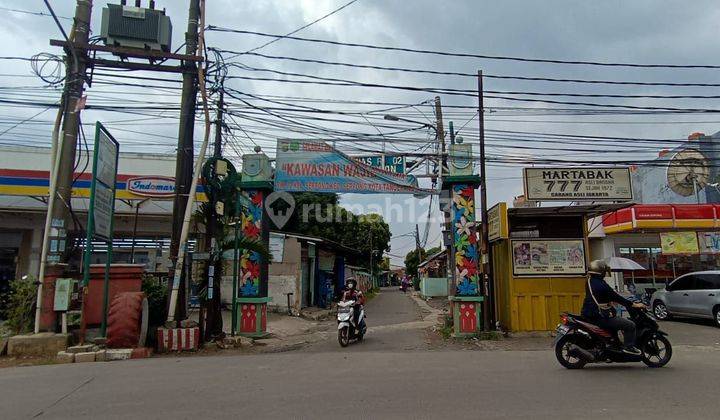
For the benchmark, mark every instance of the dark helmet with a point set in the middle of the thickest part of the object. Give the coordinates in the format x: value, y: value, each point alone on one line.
x: 351, y: 283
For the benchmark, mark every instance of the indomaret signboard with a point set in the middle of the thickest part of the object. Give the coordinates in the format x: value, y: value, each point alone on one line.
x: 313, y: 165
x: 573, y: 184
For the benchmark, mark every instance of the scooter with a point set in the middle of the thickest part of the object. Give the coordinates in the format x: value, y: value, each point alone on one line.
x: 347, y: 329
x: 579, y: 342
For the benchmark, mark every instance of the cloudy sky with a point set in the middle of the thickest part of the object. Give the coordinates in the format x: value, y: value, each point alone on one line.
x: 669, y: 32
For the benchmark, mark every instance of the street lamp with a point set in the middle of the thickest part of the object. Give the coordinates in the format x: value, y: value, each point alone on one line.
x: 390, y: 117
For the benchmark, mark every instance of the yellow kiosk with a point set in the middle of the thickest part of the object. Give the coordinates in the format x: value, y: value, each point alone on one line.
x: 540, y: 255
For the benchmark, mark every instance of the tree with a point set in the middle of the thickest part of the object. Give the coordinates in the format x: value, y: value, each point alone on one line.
x: 412, y: 261
x: 320, y: 215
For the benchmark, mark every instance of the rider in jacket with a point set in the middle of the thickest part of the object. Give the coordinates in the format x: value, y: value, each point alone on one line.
x: 597, y: 309
x: 352, y: 293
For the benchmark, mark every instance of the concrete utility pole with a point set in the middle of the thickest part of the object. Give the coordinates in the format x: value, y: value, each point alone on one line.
x: 75, y: 86
x: 448, y: 224
x: 214, y: 310
x: 185, y: 150
x: 489, y: 302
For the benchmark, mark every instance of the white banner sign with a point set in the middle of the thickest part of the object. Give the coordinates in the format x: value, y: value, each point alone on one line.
x: 577, y: 184
x: 103, y: 211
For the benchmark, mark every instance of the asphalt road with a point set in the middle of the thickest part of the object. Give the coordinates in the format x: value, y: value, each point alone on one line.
x: 388, y: 316
x: 377, y: 379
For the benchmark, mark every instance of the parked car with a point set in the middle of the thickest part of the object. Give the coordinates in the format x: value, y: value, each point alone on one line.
x: 695, y: 295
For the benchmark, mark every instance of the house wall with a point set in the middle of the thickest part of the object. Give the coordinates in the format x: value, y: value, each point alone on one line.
x: 433, y: 287
x: 285, y: 277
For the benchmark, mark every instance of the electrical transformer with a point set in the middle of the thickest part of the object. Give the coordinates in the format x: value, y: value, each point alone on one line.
x: 136, y: 27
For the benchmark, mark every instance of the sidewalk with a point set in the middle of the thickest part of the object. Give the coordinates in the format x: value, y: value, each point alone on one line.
x: 285, y: 332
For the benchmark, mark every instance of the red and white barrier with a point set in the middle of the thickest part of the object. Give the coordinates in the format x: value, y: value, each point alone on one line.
x: 178, y: 339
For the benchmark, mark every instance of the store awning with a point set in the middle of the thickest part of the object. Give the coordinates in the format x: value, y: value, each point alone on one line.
x: 589, y: 210
x: 662, y: 217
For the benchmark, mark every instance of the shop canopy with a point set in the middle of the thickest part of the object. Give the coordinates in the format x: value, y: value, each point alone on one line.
x: 588, y: 210
x: 662, y: 217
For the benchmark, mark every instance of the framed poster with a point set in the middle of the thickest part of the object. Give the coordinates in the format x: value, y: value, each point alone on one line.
x: 709, y: 242
x: 541, y: 257
x: 679, y: 243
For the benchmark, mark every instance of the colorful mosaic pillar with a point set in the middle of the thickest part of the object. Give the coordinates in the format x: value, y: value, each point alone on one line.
x: 467, y: 301
x: 252, y: 300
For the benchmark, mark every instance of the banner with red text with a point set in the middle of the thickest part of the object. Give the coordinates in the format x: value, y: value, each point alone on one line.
x: 313, y: 165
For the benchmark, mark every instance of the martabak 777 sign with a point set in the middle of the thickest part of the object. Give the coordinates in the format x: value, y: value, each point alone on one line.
x: 578, y: 184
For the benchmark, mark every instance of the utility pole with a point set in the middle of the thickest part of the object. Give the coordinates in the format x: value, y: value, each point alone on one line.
x: 75, y: 80
x: 214, y: 311
x: 63, y: 157
x: 489, y: 302
x: 184, y: 162
x: 448, y: 222
x: 371, y: 255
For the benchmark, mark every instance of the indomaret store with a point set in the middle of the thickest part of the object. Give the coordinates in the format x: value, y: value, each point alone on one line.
x: 667, y: 239
x: 143, y: 215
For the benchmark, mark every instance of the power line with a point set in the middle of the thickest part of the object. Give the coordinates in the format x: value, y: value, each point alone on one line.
x: 472, y: 75
x: 278, y: 38
x: 467, y: 55
x: 29, y: 12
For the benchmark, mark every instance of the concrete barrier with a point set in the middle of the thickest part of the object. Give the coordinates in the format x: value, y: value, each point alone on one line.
x: 42, y: 344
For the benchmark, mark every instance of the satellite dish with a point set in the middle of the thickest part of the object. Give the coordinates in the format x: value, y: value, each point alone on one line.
x: 688, y: 172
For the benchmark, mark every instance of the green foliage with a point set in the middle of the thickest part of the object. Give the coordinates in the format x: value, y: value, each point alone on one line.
x: 320, y: 215
x: 156, y: 293
x: 447, y: 328
x: 412, y: 260
x: 20, y: 310
x: 246, y: 244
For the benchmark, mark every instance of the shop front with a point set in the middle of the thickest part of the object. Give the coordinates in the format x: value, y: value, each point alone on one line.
x: 668, y: 240
x: 540, y: 258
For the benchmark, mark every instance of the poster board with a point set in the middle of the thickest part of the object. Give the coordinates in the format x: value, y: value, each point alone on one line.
x: 679, y: 243
x: 548, y: 257
x: 709, y: 242
x: 497, y: 222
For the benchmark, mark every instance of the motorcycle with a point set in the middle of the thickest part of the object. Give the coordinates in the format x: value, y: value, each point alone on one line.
x: 347, y: 329
x: 579, y: 342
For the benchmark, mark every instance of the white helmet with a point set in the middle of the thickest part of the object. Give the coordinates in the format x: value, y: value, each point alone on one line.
x: 599, y: 267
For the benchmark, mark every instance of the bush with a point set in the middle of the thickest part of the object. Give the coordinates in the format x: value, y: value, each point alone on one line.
x: 156, y: 292
x: 20, y: 305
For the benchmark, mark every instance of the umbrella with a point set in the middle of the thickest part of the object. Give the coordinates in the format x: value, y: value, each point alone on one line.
x: 623, y: 264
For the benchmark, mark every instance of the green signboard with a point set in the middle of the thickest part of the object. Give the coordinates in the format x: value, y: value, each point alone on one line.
x: 102, y: 206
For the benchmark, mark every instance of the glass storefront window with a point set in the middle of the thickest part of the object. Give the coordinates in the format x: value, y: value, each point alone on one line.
x: 662, y: 268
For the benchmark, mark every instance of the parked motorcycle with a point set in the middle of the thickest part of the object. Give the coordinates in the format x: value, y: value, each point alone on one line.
x: 347, y: 329
x: 579, y: 342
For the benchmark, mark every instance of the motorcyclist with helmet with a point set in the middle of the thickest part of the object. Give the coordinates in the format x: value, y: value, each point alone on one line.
x: 352, y: 293
x: 597, y: 307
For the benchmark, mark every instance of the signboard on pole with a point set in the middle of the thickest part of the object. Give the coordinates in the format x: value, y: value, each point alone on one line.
x: 102, y: 207
x: 577, y: 184
x: 313, y: 165
x: 497, y: 222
